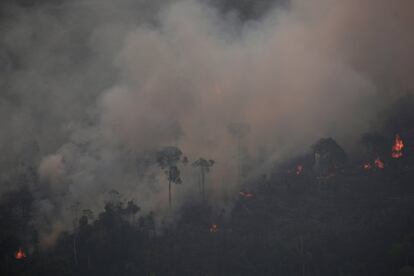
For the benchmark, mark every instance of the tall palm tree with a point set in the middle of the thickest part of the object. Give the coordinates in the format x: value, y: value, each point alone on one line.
x: 239, y: 131
x: 204, y: 166
x: 168, y: 159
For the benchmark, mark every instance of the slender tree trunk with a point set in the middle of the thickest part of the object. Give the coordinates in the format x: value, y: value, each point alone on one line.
x: 169, y: 188
x: 75, y: 251
x: 169, y: 193
x: 302, y: 254
x: 239, y: 161
x: 202, y: 184
x: 200, y: 189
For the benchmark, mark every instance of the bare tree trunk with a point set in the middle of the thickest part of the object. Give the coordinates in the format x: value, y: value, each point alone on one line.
x: 239, y: 161
x: 75, y: 251
x: 169, y: 193
x: 169, y: 188
x: 202, y: 184
x: 303, y: 255
x: 200, y: 189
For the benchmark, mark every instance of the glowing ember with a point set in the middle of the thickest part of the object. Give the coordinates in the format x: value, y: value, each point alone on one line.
x: 367, y: 166
x: 214, y: 228
x: 378, y: 163
x: 20, y: 255
x: 299, y: 169
x: 397, y: 147
x: 246, y: 194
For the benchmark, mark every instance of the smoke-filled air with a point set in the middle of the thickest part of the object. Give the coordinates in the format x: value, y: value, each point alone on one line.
x: 167, y: 106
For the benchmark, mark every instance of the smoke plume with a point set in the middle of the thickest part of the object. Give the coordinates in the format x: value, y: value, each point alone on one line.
x: 91, y: 89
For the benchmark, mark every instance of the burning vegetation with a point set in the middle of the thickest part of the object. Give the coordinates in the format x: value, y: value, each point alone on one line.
x: 331, y: 191
x: 397, y: 148
x: 304, y: 201
x: 299, y: 170
x: 135, y: 95
x: 246, y: 194
x: 379, y: 164
x: 396, y: 153
x: 20, y: 254
x: 367, y: 166
x: 214, y: 228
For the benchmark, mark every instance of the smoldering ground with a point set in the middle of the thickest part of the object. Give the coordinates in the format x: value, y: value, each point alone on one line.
x: 91, y: 89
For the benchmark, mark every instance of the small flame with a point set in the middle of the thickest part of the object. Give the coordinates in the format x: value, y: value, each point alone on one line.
x: 367, y: 166
x: 378, y: 163
x: 20, y: 255
x: 397, y: 147
x: 214, y: 228
x: 299, y: 169
x: 246, y: 194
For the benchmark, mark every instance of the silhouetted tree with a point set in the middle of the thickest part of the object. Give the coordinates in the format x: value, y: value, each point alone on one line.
x: 168, y: 159
x: 204, y: 166
x: 75, y: 210
x: 239, y: 131
x: 328, y: 155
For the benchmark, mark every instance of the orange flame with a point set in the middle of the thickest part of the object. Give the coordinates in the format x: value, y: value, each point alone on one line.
x: 19, y: 254
x: 214, y: 228
x: 246, y: 194
x: 378, y: 163
x: 397, y: 147
x: 299, y: 169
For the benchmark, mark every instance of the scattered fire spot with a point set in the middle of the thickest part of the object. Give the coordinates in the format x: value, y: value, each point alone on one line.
x: 299, y: 170
x: 214, y: 228
x: 378, y: 163
x: 397, y: 147
x: 246, y: 194
x: 367, y: 166
x: 19, y: 254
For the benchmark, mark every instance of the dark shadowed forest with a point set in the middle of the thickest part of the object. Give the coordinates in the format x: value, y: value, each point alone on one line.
x: 327, y: 212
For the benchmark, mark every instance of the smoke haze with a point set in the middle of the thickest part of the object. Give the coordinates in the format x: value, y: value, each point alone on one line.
x: 91, y: 89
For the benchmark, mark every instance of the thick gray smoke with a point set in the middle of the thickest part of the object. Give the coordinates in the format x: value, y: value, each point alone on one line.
x: 91, y: 89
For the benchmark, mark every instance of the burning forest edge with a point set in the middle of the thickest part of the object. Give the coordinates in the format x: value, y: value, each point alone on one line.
x: 207, y: 137
x: 291, y: 212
